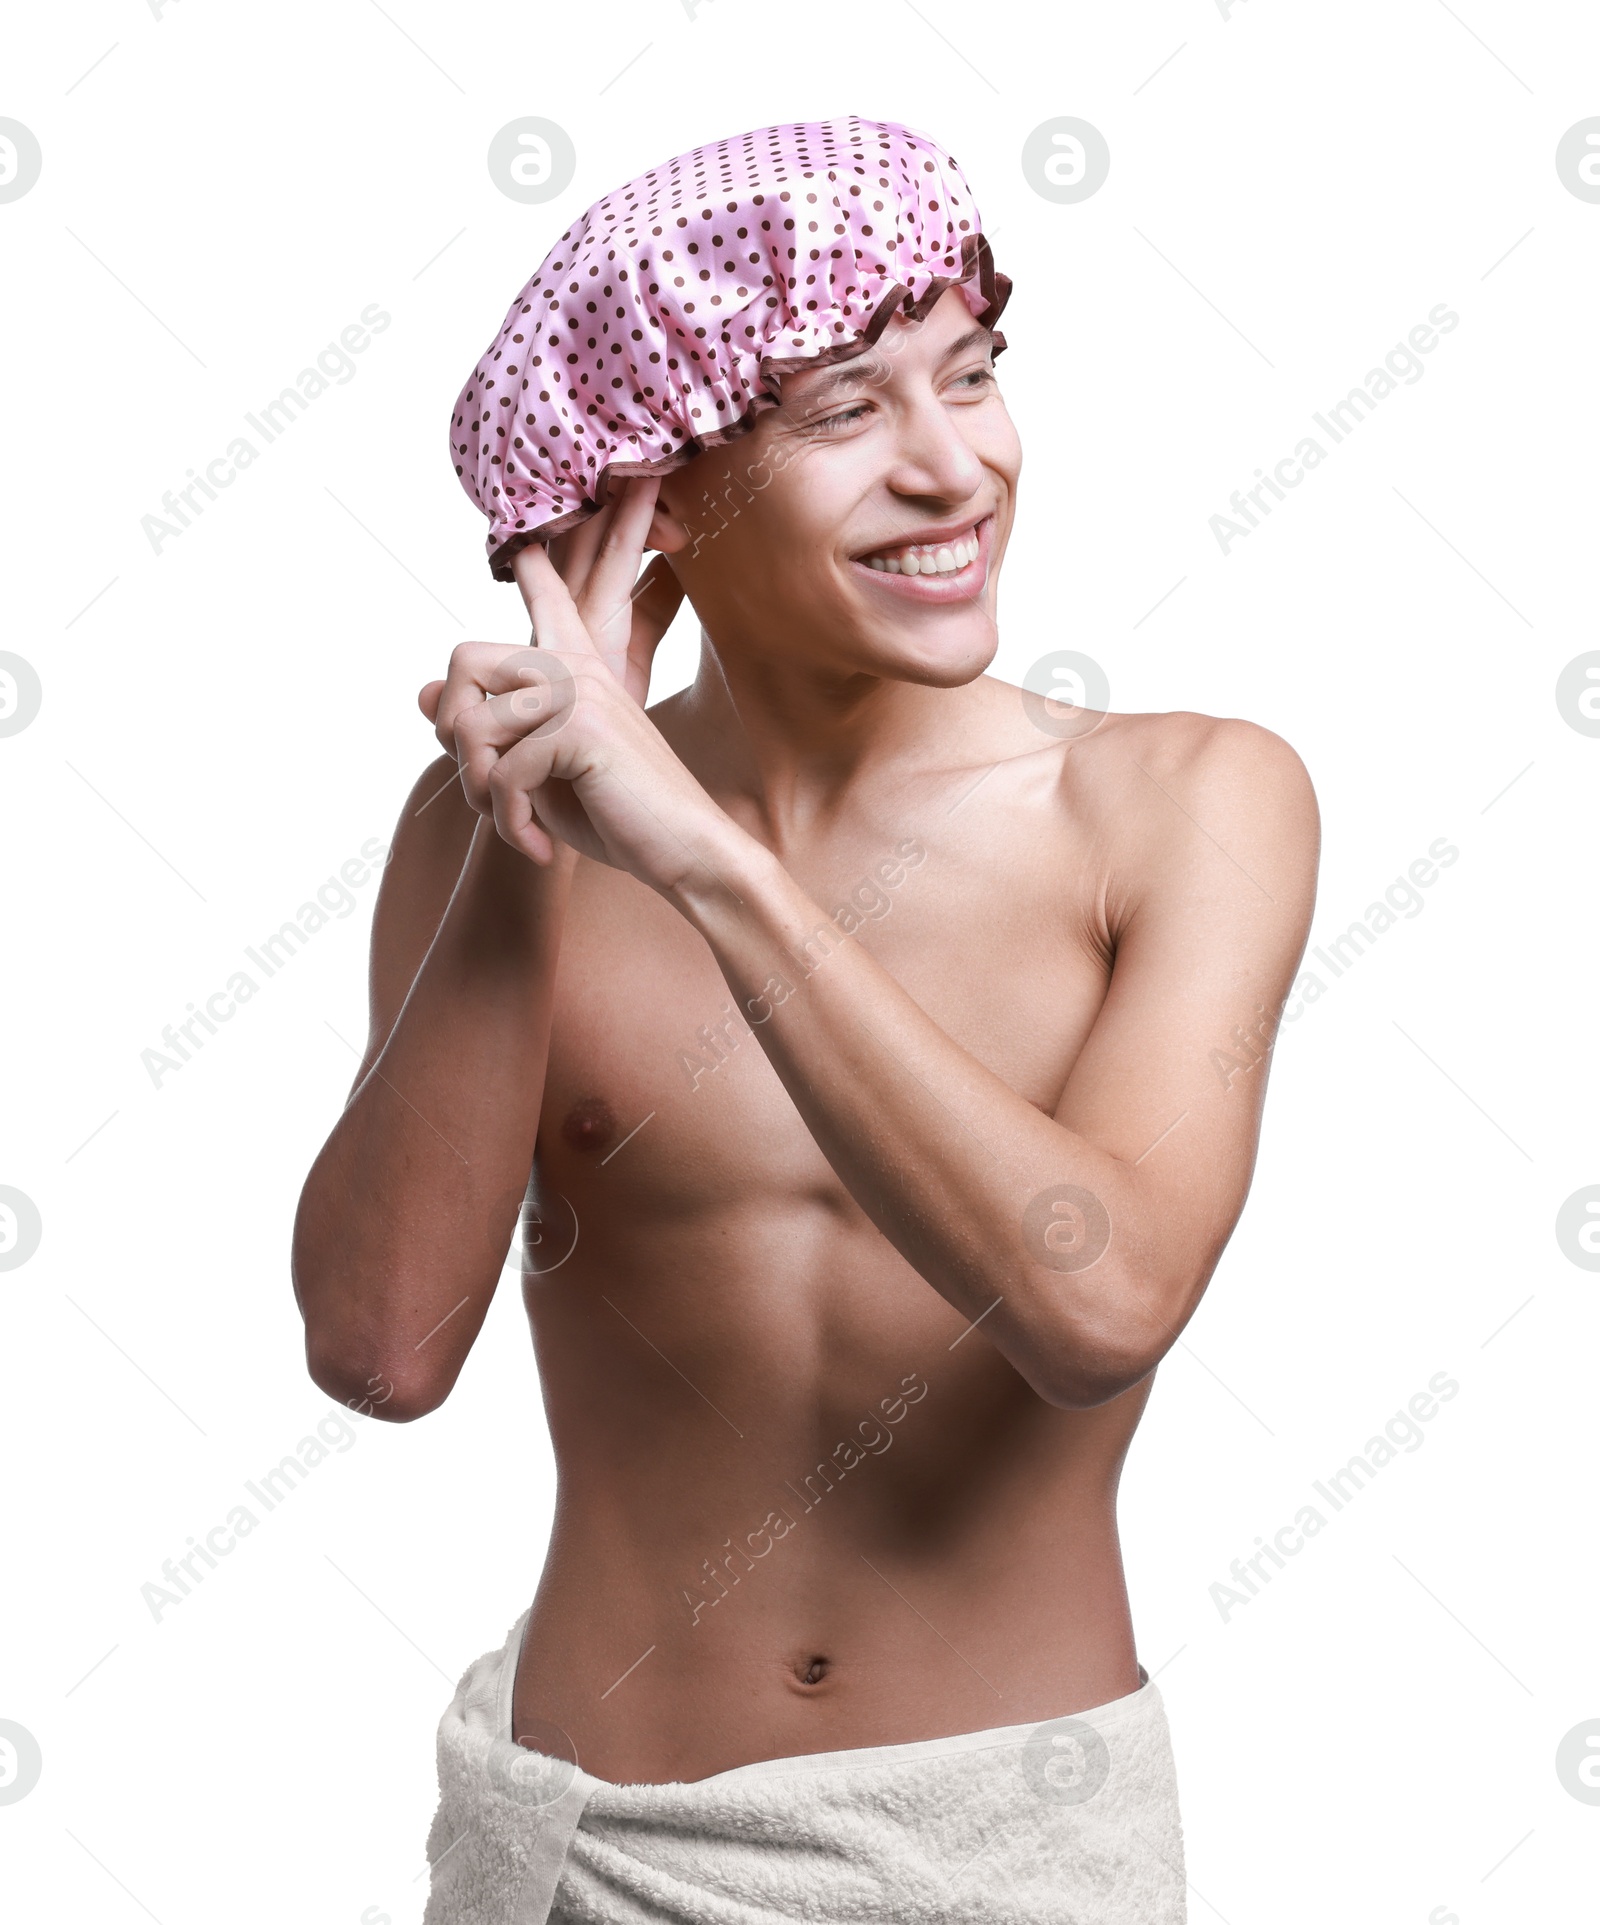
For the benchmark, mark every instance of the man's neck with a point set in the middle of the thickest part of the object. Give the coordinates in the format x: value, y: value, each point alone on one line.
x: 794, y: 741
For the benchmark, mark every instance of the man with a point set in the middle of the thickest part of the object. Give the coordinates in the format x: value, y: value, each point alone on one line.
x: 889, y: 1051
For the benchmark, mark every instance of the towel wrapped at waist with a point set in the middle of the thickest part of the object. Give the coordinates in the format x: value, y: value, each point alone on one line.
x: 1070, y: 1822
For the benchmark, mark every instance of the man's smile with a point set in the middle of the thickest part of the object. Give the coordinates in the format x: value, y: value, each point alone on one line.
x: 947, y: 563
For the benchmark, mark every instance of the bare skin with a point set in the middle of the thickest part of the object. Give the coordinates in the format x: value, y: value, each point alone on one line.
x: 816, y: 1178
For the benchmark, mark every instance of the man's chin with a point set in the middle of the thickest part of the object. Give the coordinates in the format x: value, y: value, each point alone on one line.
x: 947, y: 653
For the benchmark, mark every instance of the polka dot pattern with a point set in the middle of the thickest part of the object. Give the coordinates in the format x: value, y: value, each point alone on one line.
x: 659, y: 323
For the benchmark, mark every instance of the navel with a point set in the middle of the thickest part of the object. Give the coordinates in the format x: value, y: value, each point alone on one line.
x: 590, y: 1125
x: 811, y: 1670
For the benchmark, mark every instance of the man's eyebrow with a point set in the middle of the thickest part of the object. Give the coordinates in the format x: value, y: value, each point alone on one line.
x: 851, y: 374
x: 974, y: 337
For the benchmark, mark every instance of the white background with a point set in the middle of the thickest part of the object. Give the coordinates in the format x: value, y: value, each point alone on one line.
x: 226, y: 722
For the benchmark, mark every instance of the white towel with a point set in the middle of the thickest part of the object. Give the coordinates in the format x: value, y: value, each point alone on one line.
x: 1070, y: 1822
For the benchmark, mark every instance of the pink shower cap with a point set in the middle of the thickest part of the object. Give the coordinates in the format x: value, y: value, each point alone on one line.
x: 659, y: 323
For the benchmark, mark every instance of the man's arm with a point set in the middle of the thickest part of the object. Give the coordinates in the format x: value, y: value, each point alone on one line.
x: 1084, y: 1241
x: 406, y: 1215
x: 426, y: 855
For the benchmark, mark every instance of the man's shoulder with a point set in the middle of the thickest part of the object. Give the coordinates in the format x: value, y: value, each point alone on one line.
x: 1214, y: 751
x: 1183, y: 743
x: 1151, y: 785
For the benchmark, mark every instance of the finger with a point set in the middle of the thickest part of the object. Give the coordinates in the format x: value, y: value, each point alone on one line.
x: 516, y: 776
x: 657, y: 597
x: 522, y: 564
x: 534, y: 689
x: 536, y: 673
x: 485, y: 734
x: 551, y: 609
x: 470, y: 664
x: 657, y: 600
x: 509, y: 671
x: 428, y: 698
x: 558, y: 547
x: 621, y: 547
x: 574, y: 557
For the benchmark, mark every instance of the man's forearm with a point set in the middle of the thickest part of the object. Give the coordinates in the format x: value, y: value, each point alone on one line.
x: 407, y: 1213
x: 941, y: 1154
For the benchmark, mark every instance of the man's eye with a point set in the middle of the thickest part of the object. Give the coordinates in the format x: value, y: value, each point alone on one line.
x: 845, y: 415
x: 982, y: 376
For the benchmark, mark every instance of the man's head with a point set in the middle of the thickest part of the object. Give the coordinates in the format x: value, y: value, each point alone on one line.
x: 862, y: 520
x: 799, y: 293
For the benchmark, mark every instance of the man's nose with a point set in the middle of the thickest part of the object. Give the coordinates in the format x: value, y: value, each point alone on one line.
x: 933, y: 456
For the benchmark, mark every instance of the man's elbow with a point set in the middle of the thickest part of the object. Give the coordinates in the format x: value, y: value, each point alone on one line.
x: 353, y: 1352
x: 1072, y: 1384
x: 390, y: 1392
x: 1090, y: 1364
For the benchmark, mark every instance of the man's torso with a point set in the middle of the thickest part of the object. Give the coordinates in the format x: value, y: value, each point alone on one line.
x: 799, y: 1509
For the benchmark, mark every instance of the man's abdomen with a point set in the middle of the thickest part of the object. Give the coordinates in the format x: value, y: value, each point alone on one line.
x: 798, y: 1510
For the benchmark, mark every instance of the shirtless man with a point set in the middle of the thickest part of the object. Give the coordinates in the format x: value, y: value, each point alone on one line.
x: 858, y: 1017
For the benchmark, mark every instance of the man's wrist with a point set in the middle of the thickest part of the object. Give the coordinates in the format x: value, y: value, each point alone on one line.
x: 730, y: 869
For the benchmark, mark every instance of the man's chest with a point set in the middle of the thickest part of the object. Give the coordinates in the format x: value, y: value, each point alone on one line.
x: 657, y: 1075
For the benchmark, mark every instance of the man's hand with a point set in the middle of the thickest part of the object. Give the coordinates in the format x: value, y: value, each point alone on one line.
x: 553, y: 740
x: 624, y: 618
x: 625, y: 613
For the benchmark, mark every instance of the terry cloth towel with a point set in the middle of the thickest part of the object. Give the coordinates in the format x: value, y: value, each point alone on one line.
x: 1071, y: 1822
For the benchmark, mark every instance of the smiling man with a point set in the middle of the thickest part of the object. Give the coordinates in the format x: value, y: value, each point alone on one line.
x: 855, y: 1016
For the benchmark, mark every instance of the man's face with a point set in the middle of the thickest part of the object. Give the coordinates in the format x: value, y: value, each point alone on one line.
x: 860, y: 525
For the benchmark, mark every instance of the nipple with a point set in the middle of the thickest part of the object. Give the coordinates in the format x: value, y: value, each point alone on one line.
x: 590, y: 1125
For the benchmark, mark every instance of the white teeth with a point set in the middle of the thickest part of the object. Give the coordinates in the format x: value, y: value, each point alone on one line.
x: 947, y: 558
